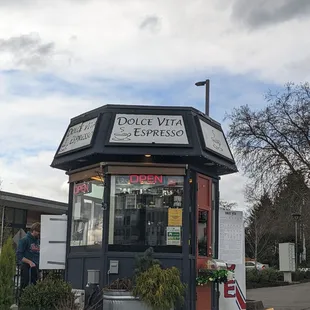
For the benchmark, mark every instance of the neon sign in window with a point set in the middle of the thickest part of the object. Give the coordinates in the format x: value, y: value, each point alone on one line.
x: 82, y: 188
x: 145, y: 179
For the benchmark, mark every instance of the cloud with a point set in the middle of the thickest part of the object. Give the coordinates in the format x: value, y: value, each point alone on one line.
x: 60, y: 58
x: 197, y: 36
x: 27, y: 50
x: 32, y: 175
x: 151, y: 23
x: 262, y: 13
x: 36, y: 109
x: 232, y: 189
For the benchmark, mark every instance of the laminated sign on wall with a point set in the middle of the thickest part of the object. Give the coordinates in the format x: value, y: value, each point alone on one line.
x: 173, y: 235
x: 175, y: 217
x: 53, y: 241
x: 232, y: 251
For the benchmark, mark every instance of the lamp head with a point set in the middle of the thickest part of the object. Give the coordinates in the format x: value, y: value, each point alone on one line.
x: 201, y: 83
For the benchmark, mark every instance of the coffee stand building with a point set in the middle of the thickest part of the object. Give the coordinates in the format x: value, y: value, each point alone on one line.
x: 143, y: 176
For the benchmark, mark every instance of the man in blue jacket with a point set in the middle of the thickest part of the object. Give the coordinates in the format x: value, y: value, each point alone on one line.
x: 28, y: 255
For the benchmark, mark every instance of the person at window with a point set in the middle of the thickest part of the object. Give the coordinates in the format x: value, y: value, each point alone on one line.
x: 28, y: 254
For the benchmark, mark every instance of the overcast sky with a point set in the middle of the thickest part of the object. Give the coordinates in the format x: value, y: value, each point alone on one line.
x: 59, y: 58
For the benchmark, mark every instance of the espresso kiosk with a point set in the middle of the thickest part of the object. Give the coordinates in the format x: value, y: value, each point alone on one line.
x: 140, y: 177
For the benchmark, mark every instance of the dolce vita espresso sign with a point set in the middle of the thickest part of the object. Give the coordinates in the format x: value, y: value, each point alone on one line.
x: 78, y: 136
x: 156, y: 129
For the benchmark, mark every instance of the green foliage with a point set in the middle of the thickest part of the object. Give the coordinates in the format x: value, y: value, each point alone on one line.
x: 271, y: 277
x: 49, y: 294
x: 160, y: 289
x: 7, y: 272
x: 266, y: 276
x: 145, y: 261
x: 53, y: 275
x: 216, y: 276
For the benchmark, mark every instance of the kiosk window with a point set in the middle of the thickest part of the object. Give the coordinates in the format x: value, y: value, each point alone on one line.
x: 202, y: 232
x: 146, y: 210
x: 87, y: 216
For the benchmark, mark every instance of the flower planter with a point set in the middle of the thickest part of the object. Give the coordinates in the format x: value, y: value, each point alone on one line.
x: 206, y: 276
x: 122, y: 300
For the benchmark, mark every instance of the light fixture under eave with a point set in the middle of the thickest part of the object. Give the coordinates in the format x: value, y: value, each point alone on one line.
x: 97, y: 178
x: 147, y: 155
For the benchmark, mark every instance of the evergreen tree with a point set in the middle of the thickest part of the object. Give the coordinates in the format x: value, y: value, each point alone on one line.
x: 7, y: 272
x: 260, y: 229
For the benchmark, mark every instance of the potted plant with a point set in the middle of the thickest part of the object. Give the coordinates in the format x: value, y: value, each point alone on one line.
x: 152, y: 287
x: 160, y: 288
x: 120, y: 291
x: 118, y: 295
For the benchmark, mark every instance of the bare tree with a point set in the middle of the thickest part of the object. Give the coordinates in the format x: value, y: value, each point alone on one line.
x: 274, y: 141
x: 228, y: 206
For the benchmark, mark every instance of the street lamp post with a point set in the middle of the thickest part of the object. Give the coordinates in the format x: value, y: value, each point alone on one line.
x: 296, y: 217
x: 207, y: 97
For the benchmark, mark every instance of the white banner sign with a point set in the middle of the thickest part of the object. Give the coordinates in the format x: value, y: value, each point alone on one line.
x: 157, y: 129
x: 232, y: 250
x: 78, y: 136
x: 53, y: 241
x: 215, y: 139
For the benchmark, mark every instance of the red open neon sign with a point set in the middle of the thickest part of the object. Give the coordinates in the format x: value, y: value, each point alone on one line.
x: 82, y: 188
x: 145, y: 179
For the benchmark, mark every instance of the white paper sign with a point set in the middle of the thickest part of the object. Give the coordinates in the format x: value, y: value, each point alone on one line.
x: 231, y: 239
x: 78, y: 136
x: 159, y: 129
x: 53, y: 241
x: 215, y: 140
x: 231, y: 235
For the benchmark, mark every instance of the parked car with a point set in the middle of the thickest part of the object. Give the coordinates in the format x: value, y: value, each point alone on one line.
x: 253, y: 265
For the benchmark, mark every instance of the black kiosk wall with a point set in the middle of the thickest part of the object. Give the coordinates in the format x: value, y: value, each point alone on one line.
x: 140, y: 177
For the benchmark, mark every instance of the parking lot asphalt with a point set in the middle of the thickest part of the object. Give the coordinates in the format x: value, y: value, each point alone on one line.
x: 291, y: 297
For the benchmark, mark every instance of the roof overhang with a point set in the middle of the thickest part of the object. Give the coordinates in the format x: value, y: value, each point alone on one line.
x: 32, y: 203
x: 128, y: 133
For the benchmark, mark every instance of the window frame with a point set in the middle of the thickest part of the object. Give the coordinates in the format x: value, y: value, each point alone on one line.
x: 135, y: 247
x: 95, y: 200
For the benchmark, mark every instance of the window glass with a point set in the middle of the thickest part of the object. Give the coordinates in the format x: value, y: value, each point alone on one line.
x: 146, y: 210
x: 9, y: 215
x: 20, y: 216
x: 87, y: 215
x: 213, y: 197
x: 202, y: 232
